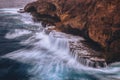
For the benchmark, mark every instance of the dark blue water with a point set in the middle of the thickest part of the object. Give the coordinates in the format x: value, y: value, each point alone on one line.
x: 29, y: 52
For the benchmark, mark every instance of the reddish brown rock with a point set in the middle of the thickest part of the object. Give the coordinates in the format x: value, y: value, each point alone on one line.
x: 97, y: 19
x: 114, y: 51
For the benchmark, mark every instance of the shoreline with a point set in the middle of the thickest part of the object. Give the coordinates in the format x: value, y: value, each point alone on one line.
x: 82, y: 21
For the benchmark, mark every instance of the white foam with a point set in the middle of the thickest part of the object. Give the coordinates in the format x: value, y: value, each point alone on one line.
x: 17, y: 33
x: 10, y: 10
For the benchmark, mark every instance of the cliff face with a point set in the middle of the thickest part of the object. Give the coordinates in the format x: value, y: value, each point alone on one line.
x: 98, y: 20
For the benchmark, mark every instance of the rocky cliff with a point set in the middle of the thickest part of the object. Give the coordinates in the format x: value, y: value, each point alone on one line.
x: 98, y: 20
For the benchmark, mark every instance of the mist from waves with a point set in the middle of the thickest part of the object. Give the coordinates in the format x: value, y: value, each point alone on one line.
x: 30, y: 52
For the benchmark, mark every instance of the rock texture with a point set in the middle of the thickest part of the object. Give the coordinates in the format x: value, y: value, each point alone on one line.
x: 98, y: 20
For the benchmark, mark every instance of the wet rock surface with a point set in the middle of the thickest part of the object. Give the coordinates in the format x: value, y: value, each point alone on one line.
x: 78, y: 50
x: 98, y: 20
x: 87, y: 56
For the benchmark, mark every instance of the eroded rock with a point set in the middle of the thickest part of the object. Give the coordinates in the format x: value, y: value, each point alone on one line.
x: 98, y: 20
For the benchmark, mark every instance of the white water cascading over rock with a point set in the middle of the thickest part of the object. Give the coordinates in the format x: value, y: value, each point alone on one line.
x: 85, y: 55
x: 74, y: 47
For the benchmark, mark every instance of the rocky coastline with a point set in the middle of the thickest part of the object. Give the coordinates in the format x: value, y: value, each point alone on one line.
x: 96, y: 20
